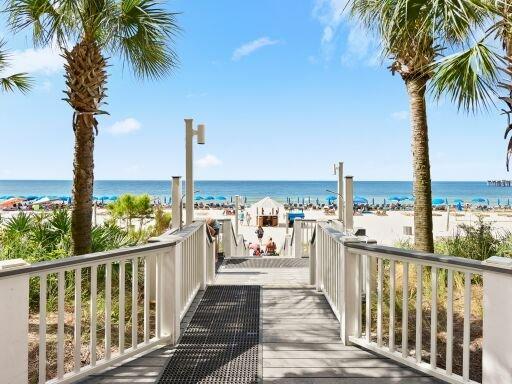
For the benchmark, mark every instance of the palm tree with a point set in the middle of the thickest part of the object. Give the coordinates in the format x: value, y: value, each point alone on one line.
x: 139, y: 32
x: 19, y: 81
x: 412, y: 35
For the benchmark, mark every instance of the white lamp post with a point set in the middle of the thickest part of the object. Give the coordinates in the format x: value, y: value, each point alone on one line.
x: 190, y: 132
x: 338, y: 169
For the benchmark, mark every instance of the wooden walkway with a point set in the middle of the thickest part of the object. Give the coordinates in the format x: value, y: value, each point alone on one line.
x: 300, y: 338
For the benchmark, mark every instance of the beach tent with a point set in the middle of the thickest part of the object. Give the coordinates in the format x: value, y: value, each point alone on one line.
x: 269, y: 210
x: 10, y: 202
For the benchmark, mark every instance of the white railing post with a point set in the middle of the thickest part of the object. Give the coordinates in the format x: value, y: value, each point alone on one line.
x: 297, y: 242
x: 227, y: 242
x: 497, y: 317
x: 237, y: 205
x: 350, y: 291
x: 170, y: 281
x: 318, y: 256
x: 312, y: 262
x: 203, y: 249
x: 176, y: 202
x: 349, y: 203
x: 14, y: 324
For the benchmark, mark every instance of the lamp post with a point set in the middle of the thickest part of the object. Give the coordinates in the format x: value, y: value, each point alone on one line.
x: 190, y: 132
x: 338, y: 169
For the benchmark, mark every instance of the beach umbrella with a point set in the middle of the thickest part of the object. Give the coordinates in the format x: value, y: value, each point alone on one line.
x: 317, y: 201
x: 384, y: 201
x: 6, y: 197
x: 438, y: 201
x: 209, y: 198
x: 478, y: 200
x: 330, y: 198
x: 198, y: 198
x: 508, y: 201
x: 373, y: 200
x: 112, y: 198
x: 458, y: 201
x: 498, y: 201
x: 398, y: 198
x: 220, y: 198
x: 309, y: 199
x: 488, y: 202
x: 360, y: 200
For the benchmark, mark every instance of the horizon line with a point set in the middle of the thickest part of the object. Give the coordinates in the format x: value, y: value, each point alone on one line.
x: 258, y: 180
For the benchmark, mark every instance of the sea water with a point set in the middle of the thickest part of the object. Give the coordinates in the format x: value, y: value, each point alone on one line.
x: 296, y: 191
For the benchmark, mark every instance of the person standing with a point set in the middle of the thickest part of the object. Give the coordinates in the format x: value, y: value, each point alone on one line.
x: 248, y: 219
x: 259, y: 233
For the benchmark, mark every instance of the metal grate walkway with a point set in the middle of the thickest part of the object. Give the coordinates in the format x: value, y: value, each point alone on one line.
x: 222, y: 341
x: 266, y: 263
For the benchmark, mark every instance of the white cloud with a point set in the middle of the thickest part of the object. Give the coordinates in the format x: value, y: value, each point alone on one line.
x: 124, y: 126
x: 400, y: 115
x: 251, y: 47
x: 45, y: 61
x: 359, y: 47
x: 208, y: 161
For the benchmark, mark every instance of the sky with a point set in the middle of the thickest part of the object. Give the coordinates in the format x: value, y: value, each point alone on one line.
x: 285, y: 88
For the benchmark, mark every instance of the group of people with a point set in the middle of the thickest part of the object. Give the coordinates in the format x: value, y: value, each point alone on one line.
x: 242, y: 216
x: 270, y: 246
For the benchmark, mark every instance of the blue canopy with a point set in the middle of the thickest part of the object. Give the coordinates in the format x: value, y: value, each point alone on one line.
x: 331, y: 198
x: 209, y: 198
x: 220, y: 198
x: 33, y: 197
x: 478, y: 200
x: 112, y: 198
x: 360, y: 200
x: 458, y: 201
x: 198, y: 198
x: 6, y: 197
x: 438, y: 201
x: 398, y: 198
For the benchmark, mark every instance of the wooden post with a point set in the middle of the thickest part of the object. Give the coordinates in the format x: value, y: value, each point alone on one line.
x: 170, y: 283
x: 497, y: 317
x: 14, y: 324
x: 349, y: 203
x: 297, y: 229
x: 350, y: 291
x: 176, y: 202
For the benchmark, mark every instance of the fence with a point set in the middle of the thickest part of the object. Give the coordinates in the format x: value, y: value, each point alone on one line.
x: 97, y: 310
x: 367, y: 284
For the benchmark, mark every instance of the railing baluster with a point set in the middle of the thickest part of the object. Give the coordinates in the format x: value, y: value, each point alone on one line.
x: 419, y: 310
x: 405, y: 310
x: 94, y: 291
x: 466, y: 337
x: 78, y: 319
x: 147, y: 286
x: 134, y: 301
x: 108, y: 310
x: 449, y: 323
x: 379, y: 301
x: 60, y: 325
x: 368, y: 299
x: 42, y: 327
x: 122, y: 312
x: 158, y: 286
x: 433, y: 321
x: 392, y: 292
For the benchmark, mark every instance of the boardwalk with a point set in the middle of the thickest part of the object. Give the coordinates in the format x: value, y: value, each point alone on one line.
x: 299, y: 335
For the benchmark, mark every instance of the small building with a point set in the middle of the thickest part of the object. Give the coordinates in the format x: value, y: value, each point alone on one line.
x: 268, y: 212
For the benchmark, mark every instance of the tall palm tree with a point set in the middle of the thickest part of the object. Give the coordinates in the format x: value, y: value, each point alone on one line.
x: 139, y: 32
x: 17, y: 81
x: 412, y: 35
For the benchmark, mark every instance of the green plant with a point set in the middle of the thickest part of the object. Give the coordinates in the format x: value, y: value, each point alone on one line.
x: 162, y: 220
x: 19, y: 81
x: 87, y: 31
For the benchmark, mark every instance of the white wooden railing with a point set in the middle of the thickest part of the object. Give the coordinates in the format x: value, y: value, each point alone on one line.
x: 232, y: 245
x: 301, y: 237
x: 101, y: 297
x: 362, y: 281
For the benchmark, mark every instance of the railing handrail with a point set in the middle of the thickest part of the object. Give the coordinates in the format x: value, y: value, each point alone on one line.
x: 53, y: 265
x: 417, y: 256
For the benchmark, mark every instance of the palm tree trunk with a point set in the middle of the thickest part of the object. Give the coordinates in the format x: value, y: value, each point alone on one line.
x: 83, y: 181
x: 423, y: 237
x: 86, y: 80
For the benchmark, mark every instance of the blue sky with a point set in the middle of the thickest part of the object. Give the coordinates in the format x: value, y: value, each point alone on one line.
x: 285, y: 88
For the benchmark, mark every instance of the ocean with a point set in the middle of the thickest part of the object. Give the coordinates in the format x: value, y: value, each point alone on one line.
x: 255, y: 190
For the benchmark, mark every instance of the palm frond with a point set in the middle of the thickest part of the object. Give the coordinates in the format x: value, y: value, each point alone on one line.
x: 469, y: 77
x: 19, y: 81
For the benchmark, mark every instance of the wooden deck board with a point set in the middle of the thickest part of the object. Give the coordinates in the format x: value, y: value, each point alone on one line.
x: 300, y: 339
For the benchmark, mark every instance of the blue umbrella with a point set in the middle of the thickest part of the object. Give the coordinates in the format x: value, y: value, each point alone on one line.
x: 112, y: 198
x: 398, y: 198
x: 220, y: 198
x: 478, y: 200
x: 438, y: 201
x: 458, y: 201
x: 32, y: 197
x: 198, y: 198
x: 6, y: 197
x: 360, y: 200
x: 330, y: 198
x: 498, y: 201
x: 209, y: 198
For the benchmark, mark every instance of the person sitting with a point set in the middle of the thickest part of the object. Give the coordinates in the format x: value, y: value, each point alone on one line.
x: 270, y: 248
